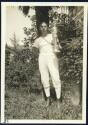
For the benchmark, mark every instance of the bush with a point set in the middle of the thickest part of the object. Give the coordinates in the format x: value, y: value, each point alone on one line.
x: 72, y: 57
x: 22, y: 68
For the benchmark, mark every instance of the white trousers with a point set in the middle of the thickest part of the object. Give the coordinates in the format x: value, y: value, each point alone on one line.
x: 48, y: 64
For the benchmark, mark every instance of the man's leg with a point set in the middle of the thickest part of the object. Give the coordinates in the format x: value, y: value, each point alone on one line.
x: 54, y: 72
x: 57, y: 86
x: 45, y: 78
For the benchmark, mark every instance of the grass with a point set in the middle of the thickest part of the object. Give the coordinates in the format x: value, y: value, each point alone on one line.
x: 20, y: 104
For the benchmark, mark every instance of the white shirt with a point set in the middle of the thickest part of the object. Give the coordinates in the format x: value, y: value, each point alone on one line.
x: 44, y: 44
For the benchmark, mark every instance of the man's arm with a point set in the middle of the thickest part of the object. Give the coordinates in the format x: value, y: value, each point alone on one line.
x: 35, y: 49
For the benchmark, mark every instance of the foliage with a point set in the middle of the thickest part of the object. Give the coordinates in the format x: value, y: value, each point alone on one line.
x: 24, y: 9
x: 22, y: 68
x: 64, y: 23
x: 72, y: 57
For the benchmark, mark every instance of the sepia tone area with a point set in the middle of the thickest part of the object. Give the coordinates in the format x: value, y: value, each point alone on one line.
x: 24, y: 97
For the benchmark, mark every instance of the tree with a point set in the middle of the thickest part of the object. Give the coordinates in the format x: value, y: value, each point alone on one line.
x: 14, y: 41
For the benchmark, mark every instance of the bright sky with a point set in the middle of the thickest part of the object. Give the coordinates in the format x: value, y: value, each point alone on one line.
x: 15, y: 21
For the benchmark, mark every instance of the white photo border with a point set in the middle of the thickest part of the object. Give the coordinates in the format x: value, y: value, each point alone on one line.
x: 3, y: 31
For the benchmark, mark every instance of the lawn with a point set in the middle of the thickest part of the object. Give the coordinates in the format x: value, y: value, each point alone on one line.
x: 21, y: 104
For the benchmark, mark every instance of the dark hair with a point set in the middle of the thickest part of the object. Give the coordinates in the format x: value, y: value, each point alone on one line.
x: 39, y: 31
x: 42, y: 23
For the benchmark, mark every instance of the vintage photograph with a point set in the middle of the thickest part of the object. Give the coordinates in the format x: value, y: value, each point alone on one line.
x: 44, y: 62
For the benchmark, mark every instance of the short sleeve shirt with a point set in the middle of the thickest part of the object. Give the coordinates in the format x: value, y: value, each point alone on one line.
x: 36, y: 43
x: 44, y: 44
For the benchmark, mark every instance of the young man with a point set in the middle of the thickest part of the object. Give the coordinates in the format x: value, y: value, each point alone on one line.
x: 48, y: 62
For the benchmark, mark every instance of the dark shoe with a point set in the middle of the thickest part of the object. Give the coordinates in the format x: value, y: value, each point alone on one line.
x: 58, y: 103
x: 48, y: 102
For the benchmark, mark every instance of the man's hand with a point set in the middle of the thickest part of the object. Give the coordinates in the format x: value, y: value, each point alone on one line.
x: 60, y: 47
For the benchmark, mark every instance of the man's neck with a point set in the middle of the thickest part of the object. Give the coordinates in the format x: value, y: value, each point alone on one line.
x: 44, y: 34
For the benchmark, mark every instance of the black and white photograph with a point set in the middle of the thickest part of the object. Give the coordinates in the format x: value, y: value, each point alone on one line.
x: 44, y: 52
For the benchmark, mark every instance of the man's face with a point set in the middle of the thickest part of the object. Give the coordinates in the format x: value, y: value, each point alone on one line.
x: 43, y: 28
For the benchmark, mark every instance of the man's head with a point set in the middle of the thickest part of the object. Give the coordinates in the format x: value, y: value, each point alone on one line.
x: 43, y: 28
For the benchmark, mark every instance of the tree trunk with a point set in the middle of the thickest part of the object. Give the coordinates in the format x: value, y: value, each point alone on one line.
x: 42, y: 16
